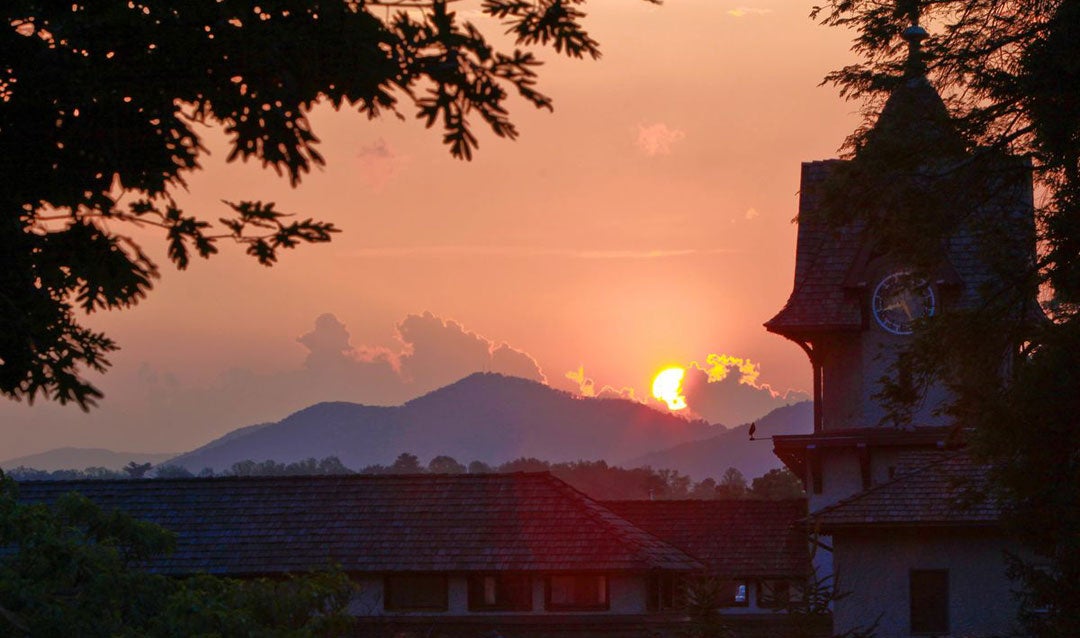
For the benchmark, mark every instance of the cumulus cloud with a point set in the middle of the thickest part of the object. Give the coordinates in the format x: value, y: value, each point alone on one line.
x: 437, y: 352
x: 586, y: 387
x: 751, y: 213
x: 178, y: 412
x: 726, y: 389
x: 657, y: 139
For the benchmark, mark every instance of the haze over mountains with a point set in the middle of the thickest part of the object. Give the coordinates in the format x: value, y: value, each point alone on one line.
x: 495, y: 418
x: 485, y: 416
x: 733, y: 447
x: 75, y: 458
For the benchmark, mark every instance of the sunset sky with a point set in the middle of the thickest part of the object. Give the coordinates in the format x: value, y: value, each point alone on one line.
x: 646, y: 223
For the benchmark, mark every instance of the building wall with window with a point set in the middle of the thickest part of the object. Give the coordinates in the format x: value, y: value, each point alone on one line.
x: 501, y: 594
x: 924, y: 582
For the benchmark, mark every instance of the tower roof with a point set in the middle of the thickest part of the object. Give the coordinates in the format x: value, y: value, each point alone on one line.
x: 912, y: 137
x: 914, y: 120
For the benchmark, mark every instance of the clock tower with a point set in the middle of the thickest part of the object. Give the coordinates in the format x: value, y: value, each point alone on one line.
x: 860, y: 292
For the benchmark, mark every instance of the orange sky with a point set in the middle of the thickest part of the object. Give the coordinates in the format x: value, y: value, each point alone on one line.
x: 646, y: 222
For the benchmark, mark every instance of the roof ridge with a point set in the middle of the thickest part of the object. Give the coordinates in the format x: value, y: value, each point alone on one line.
x: 595, y: 510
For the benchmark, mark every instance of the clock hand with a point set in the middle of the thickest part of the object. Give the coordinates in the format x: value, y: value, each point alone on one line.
x: 904, y: 305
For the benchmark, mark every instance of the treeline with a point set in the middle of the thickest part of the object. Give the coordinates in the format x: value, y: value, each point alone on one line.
x: 595, y: 478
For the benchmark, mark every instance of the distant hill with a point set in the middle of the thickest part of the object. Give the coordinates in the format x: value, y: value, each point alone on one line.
x: 75, y: 458
x: 485, y: 416
x: 733, y: 447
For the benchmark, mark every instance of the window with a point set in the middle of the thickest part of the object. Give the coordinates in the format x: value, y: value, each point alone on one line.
x: 732, y: 593
x: 929, y: 601
x: 778, y: 594
x: 500, y: 592
x: 415, y: 592
x: 666, y: 592
x: 577, y: 592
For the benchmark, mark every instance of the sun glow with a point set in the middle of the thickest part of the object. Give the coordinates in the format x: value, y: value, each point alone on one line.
x: 667, y: 387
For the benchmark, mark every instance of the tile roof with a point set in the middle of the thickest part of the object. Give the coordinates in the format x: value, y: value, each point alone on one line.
x: 946, y: 492
x: 265, y: 525
x: 744, y: 538
x: 825, y: 297
x: 824, y: 255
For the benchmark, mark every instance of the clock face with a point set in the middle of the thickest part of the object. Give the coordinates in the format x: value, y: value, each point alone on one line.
x: 900, y: 299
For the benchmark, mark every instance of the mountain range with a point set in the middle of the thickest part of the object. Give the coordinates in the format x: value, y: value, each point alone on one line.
x: 485, y: 416
x: 491, y: 418
x: 733, y: 447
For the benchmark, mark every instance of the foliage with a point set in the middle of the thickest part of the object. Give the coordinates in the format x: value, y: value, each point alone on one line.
x: 777, y: 485
x: 1009, y: 71
x: 22, y: 473
x: 137, y: 470
x: 1030, y: 430
x: 445, y: 465
x: 106, y: 101
x: 270, y: 467
x: 732, y: 484
x: 172, y: 472
x: 596, y: 478
x: 814, y: 604
x: 705, y: 619
x: 75, y: 565
x: 293, y: 607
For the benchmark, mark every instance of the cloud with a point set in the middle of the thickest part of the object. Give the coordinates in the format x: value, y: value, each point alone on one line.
x: 438, y: 352
x: 145, y: 402
x: 751, y: 213
x: 379, y: 164
x: 741, y: 12
x: 657, y: 139
x: 586, y: 387
x: 726, y: 389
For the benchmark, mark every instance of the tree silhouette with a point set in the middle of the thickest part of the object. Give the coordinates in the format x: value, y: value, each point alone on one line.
x: 137, y: 470
x: 732, y: 484
x: 777, y: 485
x: 406, y: 464
x: 102, y: 105
x: 445, y: 465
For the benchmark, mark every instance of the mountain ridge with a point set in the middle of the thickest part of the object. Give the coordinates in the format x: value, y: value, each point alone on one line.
x: 484, y: 416
x: 733, y: 447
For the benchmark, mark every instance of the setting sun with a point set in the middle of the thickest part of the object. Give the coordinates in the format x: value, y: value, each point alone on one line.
x: 666, y: 387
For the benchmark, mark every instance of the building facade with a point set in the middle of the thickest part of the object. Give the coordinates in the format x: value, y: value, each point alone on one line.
x: 515, y: 555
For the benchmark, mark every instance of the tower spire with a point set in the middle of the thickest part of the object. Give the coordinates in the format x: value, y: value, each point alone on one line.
x: 914, y: 35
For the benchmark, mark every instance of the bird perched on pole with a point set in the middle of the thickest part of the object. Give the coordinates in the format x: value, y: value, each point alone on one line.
x: 753, y: 428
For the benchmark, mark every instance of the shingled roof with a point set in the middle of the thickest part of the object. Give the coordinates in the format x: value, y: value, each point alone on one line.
x: 739, y: 538
x: 823, y: 257
x: 418, y: 523
x: 947, y: 492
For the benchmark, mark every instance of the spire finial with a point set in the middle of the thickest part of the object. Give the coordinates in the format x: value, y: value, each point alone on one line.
x: 914, y: 35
